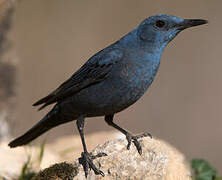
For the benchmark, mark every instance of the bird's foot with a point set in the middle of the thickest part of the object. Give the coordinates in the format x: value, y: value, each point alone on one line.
x: 130, y: 138
x: 86, y: 160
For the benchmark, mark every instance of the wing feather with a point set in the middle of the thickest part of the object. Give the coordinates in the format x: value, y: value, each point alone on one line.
x: 95, y: 70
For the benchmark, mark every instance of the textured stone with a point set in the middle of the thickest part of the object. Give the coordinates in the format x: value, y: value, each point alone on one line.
x: 159, y: 161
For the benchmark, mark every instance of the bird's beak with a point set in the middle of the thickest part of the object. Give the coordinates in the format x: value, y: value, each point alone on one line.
x: 190, y: 23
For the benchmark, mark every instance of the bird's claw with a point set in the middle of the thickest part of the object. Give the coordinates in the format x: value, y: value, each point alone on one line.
x: 86, y: 161
x: 130, y: 138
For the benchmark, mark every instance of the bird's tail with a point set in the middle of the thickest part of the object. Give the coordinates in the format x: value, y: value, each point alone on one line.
x: 48, y: 122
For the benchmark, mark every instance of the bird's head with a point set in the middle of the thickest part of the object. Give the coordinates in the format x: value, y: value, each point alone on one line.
x: 157, y: 31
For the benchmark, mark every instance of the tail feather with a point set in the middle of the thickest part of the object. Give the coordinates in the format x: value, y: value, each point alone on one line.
x: 51, y: 120
x: 43, y: 100
x: 30, y: 135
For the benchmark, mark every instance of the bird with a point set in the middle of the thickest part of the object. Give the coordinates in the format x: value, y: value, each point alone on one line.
x: 109, y: 82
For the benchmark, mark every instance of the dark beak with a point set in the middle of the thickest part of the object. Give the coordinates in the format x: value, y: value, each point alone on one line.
x: 190, y: 23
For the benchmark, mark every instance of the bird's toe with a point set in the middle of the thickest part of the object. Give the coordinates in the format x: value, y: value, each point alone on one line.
x: 130, y: 138
x: 86, y: 160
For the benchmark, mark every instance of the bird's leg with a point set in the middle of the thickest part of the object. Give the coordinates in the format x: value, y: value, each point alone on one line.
x: 86, y: 157
x: 130, y: 138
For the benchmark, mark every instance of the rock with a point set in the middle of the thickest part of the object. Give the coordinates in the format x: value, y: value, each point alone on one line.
x: 159, y: 161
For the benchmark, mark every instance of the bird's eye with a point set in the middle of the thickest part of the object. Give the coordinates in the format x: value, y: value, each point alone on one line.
x: 159, y: 24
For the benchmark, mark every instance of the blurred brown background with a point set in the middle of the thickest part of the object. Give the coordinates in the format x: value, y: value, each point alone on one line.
x: 183, y: 106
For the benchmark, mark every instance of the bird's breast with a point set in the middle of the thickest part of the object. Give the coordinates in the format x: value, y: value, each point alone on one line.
x: 137, y: 76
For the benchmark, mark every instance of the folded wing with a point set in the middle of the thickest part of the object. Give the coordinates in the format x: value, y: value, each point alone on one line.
x: 95, y: 70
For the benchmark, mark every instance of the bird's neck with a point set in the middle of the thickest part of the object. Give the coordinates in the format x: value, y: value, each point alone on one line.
x: 129, y: 41
x: 132, y: 41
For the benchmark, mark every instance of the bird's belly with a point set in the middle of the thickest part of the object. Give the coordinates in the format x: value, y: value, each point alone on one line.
x: 110, y: 96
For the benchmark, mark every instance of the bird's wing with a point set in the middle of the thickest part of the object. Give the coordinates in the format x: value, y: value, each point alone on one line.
x: 95, y: 70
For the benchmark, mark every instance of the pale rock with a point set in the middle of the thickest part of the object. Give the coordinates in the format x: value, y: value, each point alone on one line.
x: 159, y: 161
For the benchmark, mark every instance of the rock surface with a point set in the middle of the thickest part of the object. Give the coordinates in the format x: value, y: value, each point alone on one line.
x: 159, y: 161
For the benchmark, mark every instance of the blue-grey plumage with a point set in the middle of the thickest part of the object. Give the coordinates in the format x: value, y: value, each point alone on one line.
x: 111, y: 80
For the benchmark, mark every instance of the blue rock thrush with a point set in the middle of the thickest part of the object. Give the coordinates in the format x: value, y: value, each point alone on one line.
x: 110, y: 81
